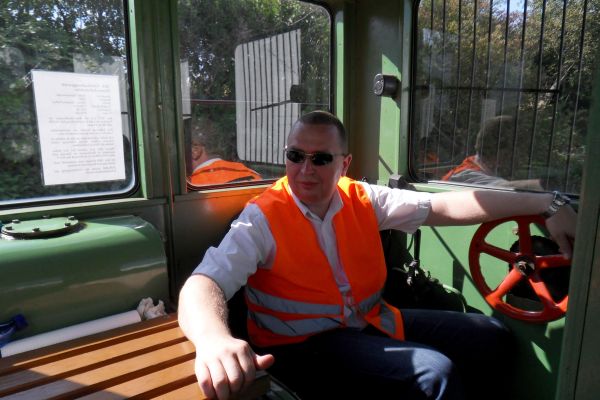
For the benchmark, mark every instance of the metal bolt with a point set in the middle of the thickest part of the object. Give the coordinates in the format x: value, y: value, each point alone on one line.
x: 71, y: 218
x: 67, y: 224
x: 35, y: 230
x: 8, y: 228
x: 525, y: 267
x: 16, y: 221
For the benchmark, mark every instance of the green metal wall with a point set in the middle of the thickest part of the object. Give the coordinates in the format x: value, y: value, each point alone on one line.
x: 125, y: 251
x: 104, y: 268
x: 374, y: 37
x: 579, y: 369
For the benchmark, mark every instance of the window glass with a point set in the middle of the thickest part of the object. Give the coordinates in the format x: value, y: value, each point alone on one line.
x: 65, y: 126
x: 502, y: 91
x: 249, y: 68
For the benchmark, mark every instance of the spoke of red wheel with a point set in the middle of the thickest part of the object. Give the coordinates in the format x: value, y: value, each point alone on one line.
x: 497, y: 252
x: 524, y: 237
x: 552, y: 261
x: 539, y: 287
x: 513, y: 277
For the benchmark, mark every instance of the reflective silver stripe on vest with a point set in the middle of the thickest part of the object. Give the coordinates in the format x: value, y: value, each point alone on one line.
x: 297, y: 327
x: 388, y: 319
x: 290, y: 306
x: 367, y: 304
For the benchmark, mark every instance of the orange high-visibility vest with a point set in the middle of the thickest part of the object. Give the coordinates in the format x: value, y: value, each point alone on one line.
x: 468, y: 164
x: 298, y: 296
x: 222, y: 171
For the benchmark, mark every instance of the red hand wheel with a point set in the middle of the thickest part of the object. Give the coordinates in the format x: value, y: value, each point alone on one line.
x: 526, y: 267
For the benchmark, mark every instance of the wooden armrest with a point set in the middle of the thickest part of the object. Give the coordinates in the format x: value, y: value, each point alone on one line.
x: 149, y: 359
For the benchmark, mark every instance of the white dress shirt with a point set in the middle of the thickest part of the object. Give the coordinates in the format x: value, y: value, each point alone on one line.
x: 249, y: 243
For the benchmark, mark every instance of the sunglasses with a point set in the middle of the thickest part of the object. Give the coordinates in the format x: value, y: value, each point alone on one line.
x: 318, y: 159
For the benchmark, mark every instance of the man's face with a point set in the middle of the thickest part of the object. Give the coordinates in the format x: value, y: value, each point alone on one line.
x: 197, y: 150
x: 313, y: 184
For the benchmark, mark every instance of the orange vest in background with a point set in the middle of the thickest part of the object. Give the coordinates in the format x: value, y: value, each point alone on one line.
x: 222, y: 171
x: 468, y: 164
x: 298, y: 296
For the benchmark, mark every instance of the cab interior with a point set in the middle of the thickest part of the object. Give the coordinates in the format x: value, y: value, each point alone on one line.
x: 412, y: 82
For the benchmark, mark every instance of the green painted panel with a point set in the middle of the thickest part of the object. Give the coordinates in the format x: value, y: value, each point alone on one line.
x: 444, y: 252
x: 104, y: 268
x: 389, y: 122
x: 579, y: 378
x: 339, y: 64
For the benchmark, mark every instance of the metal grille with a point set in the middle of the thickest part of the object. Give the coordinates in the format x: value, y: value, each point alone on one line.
x: 529, y: 61
x: 266, y: 70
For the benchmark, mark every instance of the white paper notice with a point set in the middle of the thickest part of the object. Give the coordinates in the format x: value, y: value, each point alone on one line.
x: 79, y: 124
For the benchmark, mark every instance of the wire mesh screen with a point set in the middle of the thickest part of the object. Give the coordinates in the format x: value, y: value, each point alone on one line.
x: 266, y: 71
x: 503, y: 88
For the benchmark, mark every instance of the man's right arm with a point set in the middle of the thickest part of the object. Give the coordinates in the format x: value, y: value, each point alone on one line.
x: 224, y: 365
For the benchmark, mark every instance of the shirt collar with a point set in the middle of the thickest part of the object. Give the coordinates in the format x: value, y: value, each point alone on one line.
x: 206, y: 163
x: 334, y: 207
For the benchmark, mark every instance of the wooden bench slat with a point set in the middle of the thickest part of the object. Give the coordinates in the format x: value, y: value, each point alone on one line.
x: 165, y: 380
x: 150, y: 359
x: 79, y: 363
x: 191, y: 391
x: 187, y: 392
x: 109, y: 375
x: 81, y: 345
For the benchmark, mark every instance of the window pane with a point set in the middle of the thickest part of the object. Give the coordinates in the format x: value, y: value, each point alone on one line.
x: 65, y: 130
x: 502, y: 91
x: 249, y: 69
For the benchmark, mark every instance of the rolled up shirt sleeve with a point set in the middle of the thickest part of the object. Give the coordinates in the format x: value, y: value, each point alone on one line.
x: 404, y: 210
x: 248, y: 244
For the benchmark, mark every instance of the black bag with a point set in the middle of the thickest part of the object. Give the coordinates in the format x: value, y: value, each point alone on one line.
x: 411, y: 286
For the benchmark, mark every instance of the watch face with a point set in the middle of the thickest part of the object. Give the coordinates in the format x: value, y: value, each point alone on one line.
x: 564, y: 200
x: 560, y: 199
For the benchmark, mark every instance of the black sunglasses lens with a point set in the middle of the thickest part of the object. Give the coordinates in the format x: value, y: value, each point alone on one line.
x: 295, y: 156
x: 320, y: 159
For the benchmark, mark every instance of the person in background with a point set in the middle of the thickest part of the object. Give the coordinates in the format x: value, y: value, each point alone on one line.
x: 208, y: 167
x: 491, y: 164
x: 309, y: 253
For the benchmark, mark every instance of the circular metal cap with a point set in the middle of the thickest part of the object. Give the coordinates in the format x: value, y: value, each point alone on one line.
x: 39, y: 228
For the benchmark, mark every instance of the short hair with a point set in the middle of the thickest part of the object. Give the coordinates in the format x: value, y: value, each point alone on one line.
x: 320, y: 117
x: 204, y: 132
x: 496, y: 132
x: 494, y: 143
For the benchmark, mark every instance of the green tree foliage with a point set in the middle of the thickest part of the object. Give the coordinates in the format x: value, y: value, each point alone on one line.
x: 210, y: 31
x: 214, y: 28
x: 46, y: 35
x: 514, y: 58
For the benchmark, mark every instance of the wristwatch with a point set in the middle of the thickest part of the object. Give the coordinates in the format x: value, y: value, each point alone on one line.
x: 558, y: 201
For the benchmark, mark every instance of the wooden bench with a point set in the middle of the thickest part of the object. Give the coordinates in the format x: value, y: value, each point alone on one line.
x: 147, y: 360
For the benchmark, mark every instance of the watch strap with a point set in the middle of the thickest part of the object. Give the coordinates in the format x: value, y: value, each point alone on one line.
x: 558, y: 201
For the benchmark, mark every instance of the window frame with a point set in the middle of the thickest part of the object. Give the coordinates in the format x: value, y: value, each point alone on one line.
x: 133, y: 187
x: 186, y: 142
